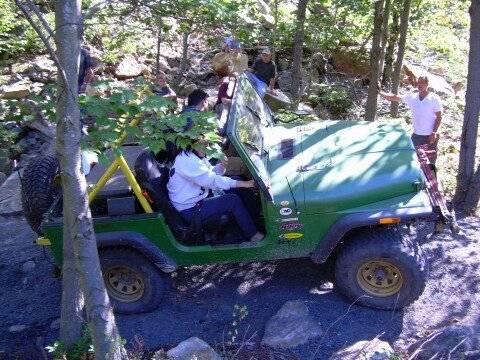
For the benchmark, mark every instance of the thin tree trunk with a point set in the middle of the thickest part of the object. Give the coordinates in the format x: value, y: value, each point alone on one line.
x: 159, y: 43
x: 76, y: 212
x: 183, y: 63
x: 375, y: 56
x: 386, y: 18
x: 468, y: 183
x: 404, y: 18
x: 392, y: 43
x: 71, y: 314
x: 275, y: 31
x: 297, y: 53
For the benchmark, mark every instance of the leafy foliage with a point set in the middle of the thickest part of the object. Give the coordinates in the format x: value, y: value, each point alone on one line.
x: 81, y: 350
x: 147, y: 119
x: 16, y: 36
x: 334, y: 97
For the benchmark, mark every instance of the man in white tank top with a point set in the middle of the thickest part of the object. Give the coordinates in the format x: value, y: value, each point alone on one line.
x: 426, y: 108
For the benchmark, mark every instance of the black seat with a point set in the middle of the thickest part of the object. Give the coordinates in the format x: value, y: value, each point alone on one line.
x: 153, y: 178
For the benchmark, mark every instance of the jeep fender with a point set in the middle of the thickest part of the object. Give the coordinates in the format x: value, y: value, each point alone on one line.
x: 358, y: 220
x: 138, y: 242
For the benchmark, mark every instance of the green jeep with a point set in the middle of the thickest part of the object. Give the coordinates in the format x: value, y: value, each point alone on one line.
x: 327, y: 189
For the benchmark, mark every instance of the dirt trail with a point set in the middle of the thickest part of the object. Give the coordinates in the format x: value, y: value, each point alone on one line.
x: 202, y: 299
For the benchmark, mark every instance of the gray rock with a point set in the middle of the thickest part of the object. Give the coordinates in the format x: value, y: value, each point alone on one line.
x: 322, y: 112
x: 17, y: 328
x: 10, y: 201
x: 291, y: 326
x: 55, y: 325
x: 28, y: 266
x: 17, y: 90
x: 365, y: 350
x: 193, y: 348
x: 437, y: 83
x: 129, y: 67
x: 3, y: 177
x: 453, y: 342
x: 185, y: 89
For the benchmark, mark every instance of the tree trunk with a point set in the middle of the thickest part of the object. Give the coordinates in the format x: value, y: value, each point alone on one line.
x: 386, y: 18
x: 297, y: 53
x: 76, y: 212
x: 183, y: 63
x: 159, y: 43
x: 275, y: 31
x: 400, y: 54
x: 468, y: 181
x: 71, y: 314
x: 392, y: 43
x: 375, y: 57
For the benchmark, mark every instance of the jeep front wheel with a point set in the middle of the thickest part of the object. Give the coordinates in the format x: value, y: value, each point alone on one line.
x: 132, y: 282
x: 381, y: 269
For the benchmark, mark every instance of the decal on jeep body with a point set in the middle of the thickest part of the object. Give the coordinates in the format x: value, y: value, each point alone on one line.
x: 285, y: 211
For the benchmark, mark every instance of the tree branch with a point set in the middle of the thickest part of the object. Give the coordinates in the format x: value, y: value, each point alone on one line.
x: 45, y: 24
x: 44, y: 39
x: 95, y: 9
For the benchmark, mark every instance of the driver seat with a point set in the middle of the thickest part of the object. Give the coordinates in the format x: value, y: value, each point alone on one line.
x: 153, y: 179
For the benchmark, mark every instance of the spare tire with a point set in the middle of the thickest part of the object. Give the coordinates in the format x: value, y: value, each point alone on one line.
x: 39, y: 188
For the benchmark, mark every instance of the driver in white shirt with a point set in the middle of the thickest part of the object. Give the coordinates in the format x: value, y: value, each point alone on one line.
x: 191, y: 178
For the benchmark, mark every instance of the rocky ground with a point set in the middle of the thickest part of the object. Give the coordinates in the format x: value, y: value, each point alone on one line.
x: 203, y: 299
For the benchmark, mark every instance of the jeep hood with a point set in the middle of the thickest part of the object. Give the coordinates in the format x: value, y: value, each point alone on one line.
x: 330, y: 166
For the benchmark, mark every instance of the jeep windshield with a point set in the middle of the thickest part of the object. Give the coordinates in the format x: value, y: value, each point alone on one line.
x: 248, y: 123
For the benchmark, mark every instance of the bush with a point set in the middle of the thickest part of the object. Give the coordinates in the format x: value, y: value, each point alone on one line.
x: 16, y: 35
x: 334, y: 97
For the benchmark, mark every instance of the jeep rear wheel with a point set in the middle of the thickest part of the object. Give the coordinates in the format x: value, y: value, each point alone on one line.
x: 132, y: 282
x: 40, y: 187
x: 381, y: 269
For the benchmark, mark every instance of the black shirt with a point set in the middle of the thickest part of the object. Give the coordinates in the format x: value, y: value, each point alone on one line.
x: 264, y: 71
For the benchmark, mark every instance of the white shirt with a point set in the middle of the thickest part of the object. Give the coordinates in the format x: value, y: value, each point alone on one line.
x: 192, y: 178
x: 423, y: 111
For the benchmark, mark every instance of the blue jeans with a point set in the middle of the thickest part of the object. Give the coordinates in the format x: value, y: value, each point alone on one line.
x: 223, y: 204
x: 258, y: 84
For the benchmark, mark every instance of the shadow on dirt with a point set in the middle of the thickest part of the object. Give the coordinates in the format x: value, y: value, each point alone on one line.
x: 202, y: 300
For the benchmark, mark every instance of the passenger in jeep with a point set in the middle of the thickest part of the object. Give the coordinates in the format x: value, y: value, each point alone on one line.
x: 191, y: 178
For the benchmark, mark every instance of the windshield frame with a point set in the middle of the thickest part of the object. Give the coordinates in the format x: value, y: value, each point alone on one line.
x: 265, y: 121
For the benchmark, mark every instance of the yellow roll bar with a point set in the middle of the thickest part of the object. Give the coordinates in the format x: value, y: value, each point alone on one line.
x: 120, y: 162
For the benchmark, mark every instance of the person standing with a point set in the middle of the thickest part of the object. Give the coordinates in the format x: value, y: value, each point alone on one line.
x: 263, y: 73
x: 85, y: 70
x: 161, y: 87
x: 426, y: 108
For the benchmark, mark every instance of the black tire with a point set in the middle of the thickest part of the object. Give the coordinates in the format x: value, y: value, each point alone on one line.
x: 143, y: 285
x: 39, y: 188
x: 381, y: 268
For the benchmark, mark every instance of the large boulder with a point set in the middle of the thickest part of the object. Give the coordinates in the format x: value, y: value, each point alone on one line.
x: 437, y: 83
x: 225, y: 63
x: 193, y: 348
x: 452, y: 342
x: 128, y: 68
x: 349, y: 62
x: 365, y: 350
x: 291, y: 326
x: 10, y: 200
x: 42, y: 70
